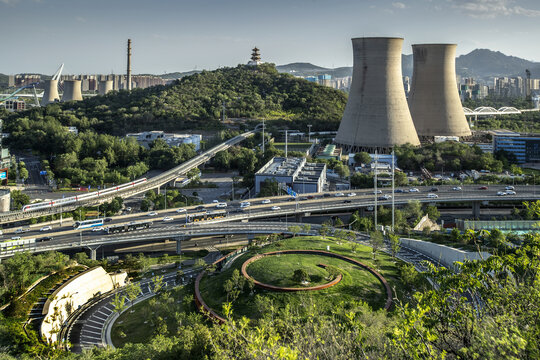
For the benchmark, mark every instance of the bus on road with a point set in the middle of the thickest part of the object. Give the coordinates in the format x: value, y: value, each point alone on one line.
x: 86, y: 224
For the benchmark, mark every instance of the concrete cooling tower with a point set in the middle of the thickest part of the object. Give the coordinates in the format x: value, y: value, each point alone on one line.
x: 434, y: 100
x: 51, y: 92
x: 105, y: 86
x: 377, y: 116
x: 72, y: 90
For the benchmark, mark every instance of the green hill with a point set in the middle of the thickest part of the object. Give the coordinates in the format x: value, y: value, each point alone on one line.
x: 195, y: 102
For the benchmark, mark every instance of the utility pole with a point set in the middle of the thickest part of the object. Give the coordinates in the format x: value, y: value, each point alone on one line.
x: 263, y: 138
x: 375, y: 186
x: 286, y: 131
x: 393, y: 185
x: 223, y: 109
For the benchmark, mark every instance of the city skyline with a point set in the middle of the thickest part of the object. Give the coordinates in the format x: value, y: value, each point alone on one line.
x: 181, y: 36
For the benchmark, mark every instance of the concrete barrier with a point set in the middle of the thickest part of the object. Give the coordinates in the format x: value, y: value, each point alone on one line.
x: 442, y: 254
x: 74, y: 293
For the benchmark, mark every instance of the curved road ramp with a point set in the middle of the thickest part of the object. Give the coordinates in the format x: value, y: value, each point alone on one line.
x: 73, y: 294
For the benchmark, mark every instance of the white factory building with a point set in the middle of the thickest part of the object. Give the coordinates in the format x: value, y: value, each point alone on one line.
x: 297, y: 173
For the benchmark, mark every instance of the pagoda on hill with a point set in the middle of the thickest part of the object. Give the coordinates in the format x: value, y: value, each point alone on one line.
x: 255, y: 57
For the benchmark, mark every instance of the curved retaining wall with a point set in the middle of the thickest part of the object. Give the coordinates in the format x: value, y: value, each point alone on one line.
x: 74, y: 293
x: 279, y: 288
x: 201, y: 305
x: 329, y: 254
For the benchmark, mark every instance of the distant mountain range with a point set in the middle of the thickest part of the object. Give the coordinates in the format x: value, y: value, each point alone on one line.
x: 479, y: 63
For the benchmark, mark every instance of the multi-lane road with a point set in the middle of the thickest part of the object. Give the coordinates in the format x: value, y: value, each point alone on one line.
x: 279, y: 207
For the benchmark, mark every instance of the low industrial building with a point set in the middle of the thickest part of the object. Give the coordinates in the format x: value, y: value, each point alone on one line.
x: 147, y: 137
x: 296, y: 173
x: 526, y: 147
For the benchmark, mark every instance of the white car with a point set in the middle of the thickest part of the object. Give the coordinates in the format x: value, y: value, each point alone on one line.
x: 275, y: 207
x: 245, y: 204
x: 510, y: 192
x: 501, y: 193
x: 266, y: 201
x: 432, y: 196
x: 377, y: 192
x: 153, y: 213
x: 387, y: 196
x: 16, y: 238
x: 339, y: 194
x: 168, y: 218
x: 181, y: 210
x: 97, y: 228
x: 215, y: 201
x: 415, y: 190
x: 351, y: 194
x: 456, y: 188
x: 128, y: 209
x: 46, y: 228
x: 510, y: 187
x: 221, y: 205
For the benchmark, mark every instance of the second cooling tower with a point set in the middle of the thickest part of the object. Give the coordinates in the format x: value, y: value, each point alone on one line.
x: 434, y: 100
x: 105, y: 86
x: 72, y: 90
x: 51, y: 92
x: 377, y: 116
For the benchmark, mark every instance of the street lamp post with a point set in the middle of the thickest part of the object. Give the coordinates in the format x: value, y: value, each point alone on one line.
x: 309, y: 132
x: 393, y: 204
x: 375, y: 191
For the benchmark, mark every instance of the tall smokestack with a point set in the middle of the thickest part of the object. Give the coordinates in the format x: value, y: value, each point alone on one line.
x: 434, y: 99
x: 376, y: 116
x: 129, y: 65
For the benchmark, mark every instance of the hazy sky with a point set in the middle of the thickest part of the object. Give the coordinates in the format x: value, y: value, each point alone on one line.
x: 179, y: 35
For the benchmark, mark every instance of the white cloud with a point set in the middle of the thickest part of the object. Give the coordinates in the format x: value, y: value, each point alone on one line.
x: 492, y: 8
x: 398, y: 5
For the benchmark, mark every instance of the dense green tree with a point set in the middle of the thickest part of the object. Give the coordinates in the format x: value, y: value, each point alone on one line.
x: 362, y: 158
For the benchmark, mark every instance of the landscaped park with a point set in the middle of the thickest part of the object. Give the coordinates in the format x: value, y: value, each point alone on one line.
x: 323, y: 272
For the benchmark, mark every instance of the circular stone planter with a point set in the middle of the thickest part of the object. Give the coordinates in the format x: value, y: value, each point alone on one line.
x: 319, y: 287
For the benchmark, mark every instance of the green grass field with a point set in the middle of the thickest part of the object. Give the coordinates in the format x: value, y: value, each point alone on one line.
x: 145, y: 320
x: 278, y: 270
x: 357, y: 284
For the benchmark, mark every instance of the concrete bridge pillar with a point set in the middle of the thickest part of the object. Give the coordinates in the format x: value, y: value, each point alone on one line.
x: 178, y: 246
x: 93, y: 251
x: 298, y: 217
x: 476, y: 209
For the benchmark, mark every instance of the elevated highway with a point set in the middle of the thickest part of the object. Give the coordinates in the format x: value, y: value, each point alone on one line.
x: 151, y: 183
x: 236, y: 218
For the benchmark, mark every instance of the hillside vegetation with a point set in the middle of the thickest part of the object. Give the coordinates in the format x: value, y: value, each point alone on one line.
x: 195, y: 102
